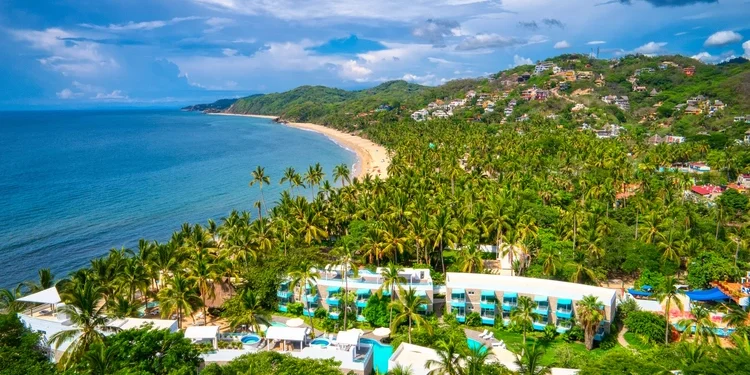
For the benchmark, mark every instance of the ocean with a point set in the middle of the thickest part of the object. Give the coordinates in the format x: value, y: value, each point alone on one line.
x: 74, y: 184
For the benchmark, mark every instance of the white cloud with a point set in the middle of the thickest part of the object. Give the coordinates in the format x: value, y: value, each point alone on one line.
x: 67, y: 94
x: 518, y: 60
x: 217, y: 24
x: 493, y: 41
x: 245, y: 41
x: 680, y: 33
x: 722, y: 38
x: 595, y: 42
x: 705, y: 57
x: 651, y: 48
x: 746, y: 47
x: 353, y: 71
x: 563, y: 44
x: 75, y: 58
x: 437, y: 60
x: 114, y: 95
x: 147, y: 25
x: 229, y: 52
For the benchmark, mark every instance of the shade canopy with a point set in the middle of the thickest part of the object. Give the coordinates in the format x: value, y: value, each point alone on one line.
x: 564, y: 301
x: 488, y: 293
x: 296, y: 322
x: 381, y: 332
x: 347, y: 337
x: 363, y: 292
x: 421, y: 293
x: 639, y: 293
x: 202, y: 332
x: 49, y: 296
x: 510, y: 295
x: 540, y: 298
x: 334, y: 289
x: 713, y: 294
x: 458, y: 291
x: 286, y: 333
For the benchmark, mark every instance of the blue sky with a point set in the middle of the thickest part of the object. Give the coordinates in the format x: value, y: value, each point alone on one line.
x: 84, y: 53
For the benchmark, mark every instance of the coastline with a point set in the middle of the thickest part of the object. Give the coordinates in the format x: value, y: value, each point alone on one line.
x: 372, y: 158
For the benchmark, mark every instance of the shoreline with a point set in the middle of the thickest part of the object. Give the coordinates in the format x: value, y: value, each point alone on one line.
x: 372, y: 158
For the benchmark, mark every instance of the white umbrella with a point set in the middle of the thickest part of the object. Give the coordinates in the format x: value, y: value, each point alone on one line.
x: 381, y: 332
x: 296, y: 322
x: 359, y: 331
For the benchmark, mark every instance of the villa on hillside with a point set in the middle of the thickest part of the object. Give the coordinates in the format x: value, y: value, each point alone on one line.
x: 706, y: 192
x: 668, y: 139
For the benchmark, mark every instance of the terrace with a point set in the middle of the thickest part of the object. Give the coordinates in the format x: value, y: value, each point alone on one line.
x: 510, y: 301
x: 542, y: 305
x: 363, y: 296
x: 458, y: 304
x: 564, y: 309
x: 487, y: 305
x: 285, y: 296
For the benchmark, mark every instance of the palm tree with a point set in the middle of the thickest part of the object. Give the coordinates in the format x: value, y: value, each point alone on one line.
x: 179, y: 296
x: 476, y: 359
x: 314, y: 176
x: 590, y: 313
x: 407, y: 308
x: 441, y: 231
x: 302, y: 275
x: 84, y: 309
x: 345, y: 254
x: 735, y: 317
x: 449, y: 359
x: 46, y: 281
x: 400, y: 370
x: 121, y: 307
x: 100, y: 359
x: 9, y: 299
x: 530, y: 362
x: 470, y: 259
x: 289, y: 176
x: 668, y: 294
x: 251, y: 313
x: 341, y: 172
x: 312, y: 225
x: 202, y: 271
x: 700, y: 326
x: 523, y: 315
x: 260, y: 177
x: 392, y: 280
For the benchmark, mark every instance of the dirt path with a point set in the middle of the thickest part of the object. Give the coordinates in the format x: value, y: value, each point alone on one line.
x: 621, y: 337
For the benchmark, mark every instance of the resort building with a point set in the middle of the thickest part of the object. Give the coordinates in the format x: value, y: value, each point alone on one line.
x: 495, y: 296
x: 331, y: 284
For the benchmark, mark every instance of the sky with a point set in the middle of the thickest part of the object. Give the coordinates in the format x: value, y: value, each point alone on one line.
x: 100, y: 53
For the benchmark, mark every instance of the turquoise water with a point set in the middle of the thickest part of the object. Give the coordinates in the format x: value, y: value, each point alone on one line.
x: 278, y: 324
x: 474, y: 345
x: 380, y: 354
x: 74, y: 184
x: 250, y: 339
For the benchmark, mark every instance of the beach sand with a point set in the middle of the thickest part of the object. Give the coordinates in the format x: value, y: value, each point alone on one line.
x: 371, y: 157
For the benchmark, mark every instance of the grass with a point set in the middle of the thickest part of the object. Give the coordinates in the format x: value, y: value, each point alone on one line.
x: 557, y: 353
x: 636, y: 341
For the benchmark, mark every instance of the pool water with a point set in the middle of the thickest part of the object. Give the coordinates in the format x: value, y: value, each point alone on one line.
x: 474, y: 345
x: 320, y: 341
x: 380, y: 354
x: 150, y: 305
x: 250, y: 339
x: 277, y: 324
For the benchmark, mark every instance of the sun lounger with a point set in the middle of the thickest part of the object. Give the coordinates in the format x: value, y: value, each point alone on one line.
x: 483, y: 334
x: 490, y: 336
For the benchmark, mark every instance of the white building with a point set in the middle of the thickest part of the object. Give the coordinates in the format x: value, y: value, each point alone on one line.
x: 420, y: 115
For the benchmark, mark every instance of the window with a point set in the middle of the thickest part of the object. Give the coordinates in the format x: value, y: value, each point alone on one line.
x: 471, y: 292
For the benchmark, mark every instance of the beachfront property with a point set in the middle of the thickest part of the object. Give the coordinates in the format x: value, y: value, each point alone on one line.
x: 495, y: 296
x: 331, y: 284
x: 46, y: 318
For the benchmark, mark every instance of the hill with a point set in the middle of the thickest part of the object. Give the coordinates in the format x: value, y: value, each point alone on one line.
x: 217, y: 106
x: 652, y: 95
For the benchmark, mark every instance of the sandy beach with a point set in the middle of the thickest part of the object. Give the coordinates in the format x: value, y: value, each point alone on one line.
x: 371, y: 157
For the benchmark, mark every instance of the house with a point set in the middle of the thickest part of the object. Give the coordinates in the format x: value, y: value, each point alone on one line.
x: 585, y: 75
x: 420, y: 115
x: 653, y: 92
x: 669, y: 63
x: 692, y: 110
x: 556, y: 69
x: 608, y: 131
x: 744, y: 180
x: 689, y: 71
x: 564, y: 86
x: 747, y: 136
x: 383, y: 107
x: 523, y: 118
x: 718, y: 104
x: 707, y: 192
x: 440, y: 114
x: 570, y: 75
x: 524, y: 77
x: 508, y: 111
x: 495, y: 296
x: 541, y: 94
x: 528, y: 94
x: 599, y: 81
x: 668, y: 139
x: 471, y: 94
x: 637, y: 88
x: 623, y: 103
x: 698, y: 167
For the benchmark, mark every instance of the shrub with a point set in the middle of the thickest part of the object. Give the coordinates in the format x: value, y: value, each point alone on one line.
x: 575, y: 334
x: 376, y: 312
x: 295, y: 308
x: 647, y: 324
x: 321, y: 313
x: 450, y: 319
x: 549, y: 333
x: 473, y: 319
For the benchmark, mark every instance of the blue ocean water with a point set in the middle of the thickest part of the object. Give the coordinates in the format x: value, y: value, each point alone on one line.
x: 74, y: 184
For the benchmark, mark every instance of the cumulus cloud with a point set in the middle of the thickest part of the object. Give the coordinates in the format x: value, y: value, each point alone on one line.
x: 563, y: 44
x: 595, y: 42
x: 114, y: 95
x: 353, y: 71
x: 705, y: 57
x: 552, y: 22
x: 651, y: 48
x: 67, y: 94
x: 746, y: 47
x: 518, y: 60
x: 681, y: 33
x: 140, y: 26
x: 435, y: 31
x: 217, y: 24
x: 65, y: 56
x: 229, y: 52
x: 489, y: 41
x: 722, y: 38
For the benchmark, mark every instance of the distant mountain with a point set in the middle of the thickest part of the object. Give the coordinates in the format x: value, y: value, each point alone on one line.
x: 217, y: 106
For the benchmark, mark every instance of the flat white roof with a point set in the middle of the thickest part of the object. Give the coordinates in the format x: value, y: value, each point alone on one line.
x: 412, y: 356
x: 528, y: 285
x: 48, y: 328
x: 286, y: 333
x: 202, y: 332
x: 130, y: 323
x: 49, y: 295
x: 347, y: 337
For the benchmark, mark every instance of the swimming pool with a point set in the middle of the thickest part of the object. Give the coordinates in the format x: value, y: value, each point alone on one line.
x: 277, y: 324
x: 320, y: 341
x: 380, y: 354
x: 150, y: 305
x: 250, y: 339
x: 474, y: 345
